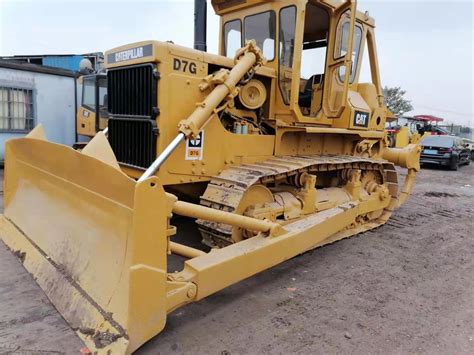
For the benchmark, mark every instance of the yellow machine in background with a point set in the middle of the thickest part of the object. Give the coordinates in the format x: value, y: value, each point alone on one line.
x: 273, y: 147
x: 411, y: 130
x: 403, y: 136
x: 93, y: 115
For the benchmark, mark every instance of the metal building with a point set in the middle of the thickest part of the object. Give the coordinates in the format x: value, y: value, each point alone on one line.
x: 32, y: 94
x: 64, y: 61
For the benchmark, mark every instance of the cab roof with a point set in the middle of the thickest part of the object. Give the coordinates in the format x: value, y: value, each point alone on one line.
x: 225, y: 6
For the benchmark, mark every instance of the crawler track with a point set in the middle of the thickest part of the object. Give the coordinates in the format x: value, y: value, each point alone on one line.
x: 226, y: 191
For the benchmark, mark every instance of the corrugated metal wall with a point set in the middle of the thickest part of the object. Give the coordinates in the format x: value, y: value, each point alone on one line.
x: 65, y: 62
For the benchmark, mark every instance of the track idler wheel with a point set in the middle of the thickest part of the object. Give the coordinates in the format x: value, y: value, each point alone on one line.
x: 256, y: 195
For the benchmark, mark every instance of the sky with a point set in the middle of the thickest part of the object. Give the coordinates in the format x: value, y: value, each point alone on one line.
x: 426, y: 47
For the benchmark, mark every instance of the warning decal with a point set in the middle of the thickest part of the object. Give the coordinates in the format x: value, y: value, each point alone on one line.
x: 194, y: 147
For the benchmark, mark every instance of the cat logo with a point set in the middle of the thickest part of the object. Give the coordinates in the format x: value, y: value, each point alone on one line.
x: 194, y: 147
x: 361, y: 119
x: 130, y: 54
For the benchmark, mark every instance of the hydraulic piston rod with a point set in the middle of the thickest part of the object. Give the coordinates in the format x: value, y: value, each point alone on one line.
x: 155, y: 166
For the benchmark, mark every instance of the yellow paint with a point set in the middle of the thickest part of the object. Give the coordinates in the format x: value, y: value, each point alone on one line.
x: 85, y: 122
x: 99, y: 148
x: 97, y: 241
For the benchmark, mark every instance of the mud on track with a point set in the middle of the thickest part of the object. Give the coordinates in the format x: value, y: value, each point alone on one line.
x: 407, y: 287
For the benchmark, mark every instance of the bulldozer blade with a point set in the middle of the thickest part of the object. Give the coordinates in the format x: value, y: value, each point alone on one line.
x: 94, y: 240
x: 100, y: 148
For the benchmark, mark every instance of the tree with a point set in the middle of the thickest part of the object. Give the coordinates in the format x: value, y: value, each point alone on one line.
x: 395, y: 100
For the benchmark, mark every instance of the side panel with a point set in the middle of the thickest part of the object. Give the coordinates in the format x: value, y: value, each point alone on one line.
x: 181, y: 71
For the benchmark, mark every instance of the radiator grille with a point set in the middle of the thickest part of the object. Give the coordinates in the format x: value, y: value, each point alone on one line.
x: 133, y: 141
x: 132, y: 91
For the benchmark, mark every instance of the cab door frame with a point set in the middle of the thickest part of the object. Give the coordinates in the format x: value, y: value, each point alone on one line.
x: 328, y: 111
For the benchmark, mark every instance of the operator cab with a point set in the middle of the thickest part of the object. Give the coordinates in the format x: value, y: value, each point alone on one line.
x: 308, y: 46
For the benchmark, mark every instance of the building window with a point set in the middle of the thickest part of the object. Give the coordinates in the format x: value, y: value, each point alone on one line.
x: 16, y: 109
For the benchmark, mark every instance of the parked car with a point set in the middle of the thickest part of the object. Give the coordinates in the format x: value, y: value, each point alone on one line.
x: 470, y: 146
x: 448, y: 151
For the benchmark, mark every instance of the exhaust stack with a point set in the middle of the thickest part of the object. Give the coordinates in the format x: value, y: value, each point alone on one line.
x: 200, y: 25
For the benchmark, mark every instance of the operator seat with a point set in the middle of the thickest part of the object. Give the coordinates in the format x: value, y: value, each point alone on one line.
x: 307, y: 94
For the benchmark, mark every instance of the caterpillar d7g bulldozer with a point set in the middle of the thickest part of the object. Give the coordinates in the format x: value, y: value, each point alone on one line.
x: 272, y: 147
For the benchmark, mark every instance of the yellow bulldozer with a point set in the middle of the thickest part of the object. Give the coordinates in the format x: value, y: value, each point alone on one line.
x: 270, y: 149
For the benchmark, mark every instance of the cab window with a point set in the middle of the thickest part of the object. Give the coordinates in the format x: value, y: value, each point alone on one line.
x: 341, y: 48
x: 88, y: 93
x: 286, y: 49
x: 102, y: 83
x: 261, y: 28
x: 232, y: 37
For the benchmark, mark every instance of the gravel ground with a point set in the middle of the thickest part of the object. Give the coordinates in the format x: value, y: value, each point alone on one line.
x: 407, y: 287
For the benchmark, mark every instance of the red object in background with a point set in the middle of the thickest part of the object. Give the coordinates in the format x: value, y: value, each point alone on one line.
x: 445, y: 150
x: 428, y: 118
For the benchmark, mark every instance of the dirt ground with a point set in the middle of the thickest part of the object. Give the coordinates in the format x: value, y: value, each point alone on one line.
x: 407, y: 287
